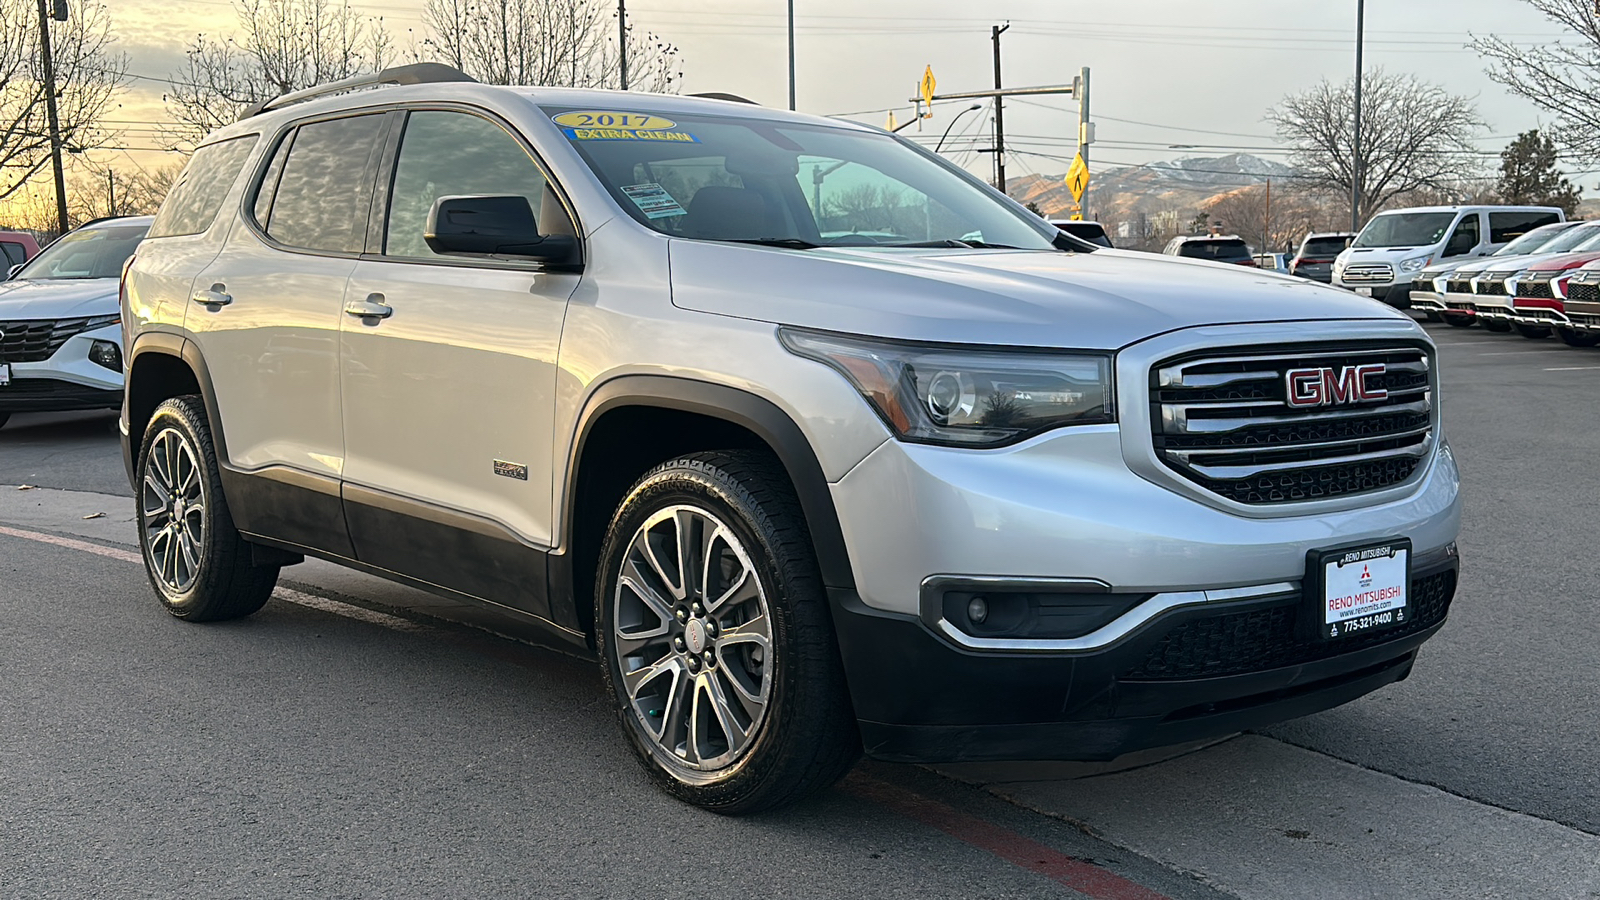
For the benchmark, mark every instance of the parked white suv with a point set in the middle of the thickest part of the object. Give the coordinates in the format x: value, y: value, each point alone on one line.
x: 584, y: 359
x: 1390, y: 253
x: 60, y: 344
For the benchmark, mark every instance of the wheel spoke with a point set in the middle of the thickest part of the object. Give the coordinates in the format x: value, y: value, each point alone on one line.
x: 153, y: 490
x: 745, y: 588
x: 636, y: 680
x: 736, y: 733
x: 639, y: 581
x: 169, y: 560
x: 754, y: 631
x: 191, y: 556
x: 643, y: 547
x: 188, y: 473
x: 690, y: 551
x: 159, y: 464
x: 674, y: 719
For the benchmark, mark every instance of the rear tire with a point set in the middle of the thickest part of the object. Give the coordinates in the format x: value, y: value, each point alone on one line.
x: 1456, y: 320
x: 1498, y: 326
x: 1577, y: 338
x: 715, y: 638
x: 1431, y: 315
x: 198, y: 564
x: 4, y: 418
x: 1533, y: 332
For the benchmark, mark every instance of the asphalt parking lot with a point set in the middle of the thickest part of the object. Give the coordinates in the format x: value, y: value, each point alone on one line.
x: 345, y: 742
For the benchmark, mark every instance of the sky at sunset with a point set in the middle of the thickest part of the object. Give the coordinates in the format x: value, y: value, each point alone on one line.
x: 1165, y: 72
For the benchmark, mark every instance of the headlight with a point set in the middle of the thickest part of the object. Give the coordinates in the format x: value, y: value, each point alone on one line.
x: 966, y: 397
x: 1413, y: 264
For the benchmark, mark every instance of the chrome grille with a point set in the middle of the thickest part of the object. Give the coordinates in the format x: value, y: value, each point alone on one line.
x: 36, y: 340
x: 1582, y: 292
x: 1369, y: 273
x: 1492, y: 288
x: 1535, y: 287
x: 1461, y: 284
x: 1223, y: 421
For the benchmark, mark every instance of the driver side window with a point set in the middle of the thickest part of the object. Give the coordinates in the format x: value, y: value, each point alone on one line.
x: 1464, y: 238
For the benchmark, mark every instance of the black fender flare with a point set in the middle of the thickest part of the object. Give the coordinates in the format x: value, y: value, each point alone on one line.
x: 180, y: 347
x: 755, y: 414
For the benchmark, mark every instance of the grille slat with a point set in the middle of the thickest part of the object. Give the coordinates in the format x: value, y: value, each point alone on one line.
x: 1583, y: 292
x: 1224, y: 422
x: 1266, y: 639
x: 1369, y: 273
x: 36, y: 340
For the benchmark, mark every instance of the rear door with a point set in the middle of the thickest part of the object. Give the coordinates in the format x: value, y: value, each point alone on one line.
x: 266, y: 316
x: 449, y: 392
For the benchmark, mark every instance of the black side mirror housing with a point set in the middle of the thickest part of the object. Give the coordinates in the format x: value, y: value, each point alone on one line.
x: 496, y: 226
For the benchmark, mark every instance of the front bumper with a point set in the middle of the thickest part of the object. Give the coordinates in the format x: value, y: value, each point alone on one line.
x: 1539, y: 312
x: 1192, y: 673
x: 67, y: 380
x: 1396, y: 294
x: 1428, y: 300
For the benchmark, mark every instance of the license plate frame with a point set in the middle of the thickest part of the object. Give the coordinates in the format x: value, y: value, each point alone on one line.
x: 1334, y: 589
x: 1364, y: 291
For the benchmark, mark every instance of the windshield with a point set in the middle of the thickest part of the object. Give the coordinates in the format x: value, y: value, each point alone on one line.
x: 789, y: 183
x: 1405, y: 230
x: 1530, y: 242
x: 86, y: 253
x: 1217, y: 250
x: 1575, y: 238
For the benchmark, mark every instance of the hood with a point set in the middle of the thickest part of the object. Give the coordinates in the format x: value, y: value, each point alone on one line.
x: 1101, y: 300
x: 1560, y: 261
x: 58, y: 299
x: 1352, y: 255
x: 1470, y: 264
x: 1503, y: 263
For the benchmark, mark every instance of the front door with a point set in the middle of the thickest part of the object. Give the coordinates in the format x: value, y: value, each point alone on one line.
x: 448, y: 375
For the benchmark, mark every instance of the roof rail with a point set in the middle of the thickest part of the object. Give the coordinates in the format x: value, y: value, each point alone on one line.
x: 416, y: 73
x: 722, y: 95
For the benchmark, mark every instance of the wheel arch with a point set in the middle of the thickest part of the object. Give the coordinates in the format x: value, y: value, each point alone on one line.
x: 607, y: 458
x: 161, y: 366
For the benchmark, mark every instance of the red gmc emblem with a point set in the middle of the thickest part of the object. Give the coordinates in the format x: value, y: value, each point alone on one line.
x: 1333, y: 387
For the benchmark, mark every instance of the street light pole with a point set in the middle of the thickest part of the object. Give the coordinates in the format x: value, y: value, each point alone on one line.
x: 49, y: 64
x: 952, y: 124
x: 622, y: 39
x: 1355, y: 161
x: 791, y: 55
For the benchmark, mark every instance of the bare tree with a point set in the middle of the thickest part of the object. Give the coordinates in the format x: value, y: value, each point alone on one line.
x: 1275, y: 220
x: 281, y: 46
x: 1414, y: 135
x: 572, y: 43
x: 109, y: 191
x: 1560, y: 76
x: 88, y: 72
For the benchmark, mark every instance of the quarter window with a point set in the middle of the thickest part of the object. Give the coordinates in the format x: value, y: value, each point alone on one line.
x: 1508, y: 226
x: 192, y: 204
x: 446, y: 154
x: 323, y: 193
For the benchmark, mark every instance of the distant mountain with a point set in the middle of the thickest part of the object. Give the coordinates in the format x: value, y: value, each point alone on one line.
x: 1175, y: 186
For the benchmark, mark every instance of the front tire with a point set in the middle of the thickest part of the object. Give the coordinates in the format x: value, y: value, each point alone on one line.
x: 198, y: 564
x: 1498, y: 326
x: 1534, y: 332
x: 1457, y: 320
x: 715, y: 639
x: 4, y: 418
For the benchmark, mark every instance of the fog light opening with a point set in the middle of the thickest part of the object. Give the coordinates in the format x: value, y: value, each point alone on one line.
x: 978, y: 610
x: 106, y: 354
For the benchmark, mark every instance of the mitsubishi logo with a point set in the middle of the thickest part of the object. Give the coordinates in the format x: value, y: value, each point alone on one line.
x: 1333, y: 387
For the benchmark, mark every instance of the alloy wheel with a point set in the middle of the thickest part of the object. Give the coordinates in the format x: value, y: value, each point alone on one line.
x: 172, y: 500
x: 693, y: 641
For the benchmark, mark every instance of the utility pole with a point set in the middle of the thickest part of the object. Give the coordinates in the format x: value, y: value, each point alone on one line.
x: 59, y: 12
x: 999, y: 112
x: 622, y: 39
x: 791, y: 55
x: 1355, y: 162
x: 1085, y: 137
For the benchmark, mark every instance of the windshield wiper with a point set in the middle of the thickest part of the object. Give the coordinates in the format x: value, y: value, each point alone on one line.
x: 791, y: 243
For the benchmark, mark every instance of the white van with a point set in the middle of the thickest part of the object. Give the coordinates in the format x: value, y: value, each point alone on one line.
x: 1386, y: 256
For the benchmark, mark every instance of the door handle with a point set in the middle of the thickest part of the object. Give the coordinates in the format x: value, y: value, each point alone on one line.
x: 214, y: 298
x: 371, y: 308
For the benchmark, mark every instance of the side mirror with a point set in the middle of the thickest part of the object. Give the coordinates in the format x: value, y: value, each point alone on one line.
x: 500, y: 226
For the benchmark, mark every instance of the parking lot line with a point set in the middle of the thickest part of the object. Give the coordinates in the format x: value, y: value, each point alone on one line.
x: 1572, y: 368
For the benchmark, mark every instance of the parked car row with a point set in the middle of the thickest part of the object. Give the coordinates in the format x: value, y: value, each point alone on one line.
x: 1391, y: 252
x: 1550, y: 285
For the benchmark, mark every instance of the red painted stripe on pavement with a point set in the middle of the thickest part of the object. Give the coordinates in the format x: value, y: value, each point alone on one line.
x: 1083, y: 877
x: 85, y: 546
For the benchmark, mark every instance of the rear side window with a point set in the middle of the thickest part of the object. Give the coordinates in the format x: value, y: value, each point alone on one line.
x: 191, y: 206
x: 1508, y: 226
x: 13, y: 252
x: 326, y: 185
x: 1217, y: 250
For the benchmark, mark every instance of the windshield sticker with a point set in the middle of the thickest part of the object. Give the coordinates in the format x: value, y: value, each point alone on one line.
x: 636, y: 121
x: 627, y: 134
x: 654, y: 201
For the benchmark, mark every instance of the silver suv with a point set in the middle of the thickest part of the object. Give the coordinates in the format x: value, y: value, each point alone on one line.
x: 818, y: 443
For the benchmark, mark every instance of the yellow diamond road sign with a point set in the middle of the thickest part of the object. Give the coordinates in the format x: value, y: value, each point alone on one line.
x: 1078, y: 178
x: 927, y: 86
